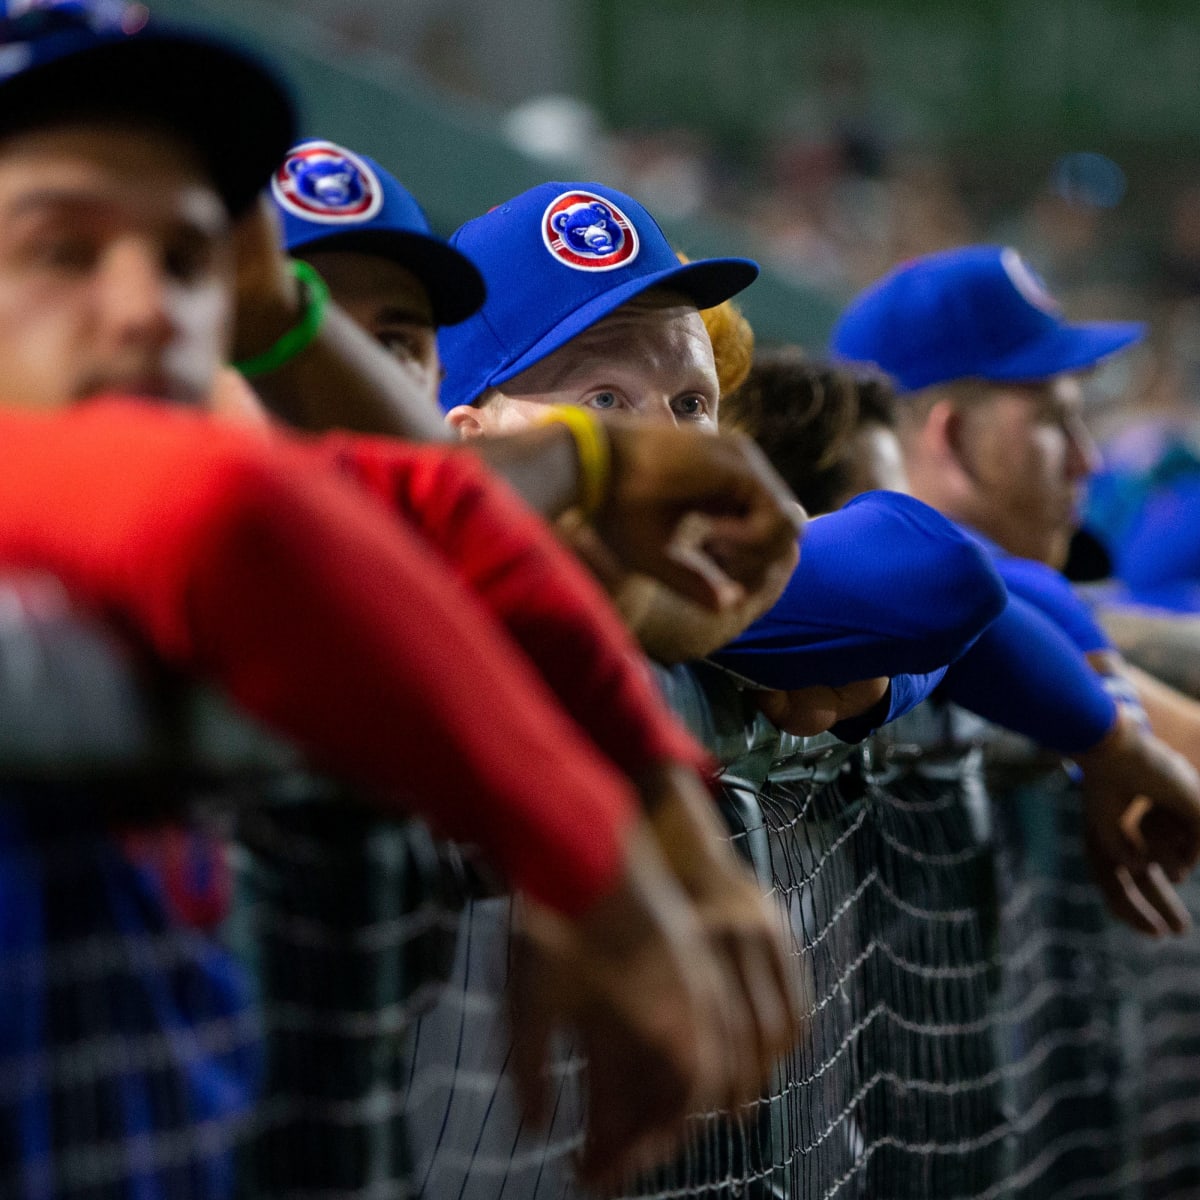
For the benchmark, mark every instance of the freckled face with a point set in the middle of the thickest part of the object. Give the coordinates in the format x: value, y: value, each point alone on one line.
x: 652, y: 359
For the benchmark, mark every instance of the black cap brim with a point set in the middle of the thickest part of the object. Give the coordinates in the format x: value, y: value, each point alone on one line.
x: 455, y: 286
x: 220, y: 99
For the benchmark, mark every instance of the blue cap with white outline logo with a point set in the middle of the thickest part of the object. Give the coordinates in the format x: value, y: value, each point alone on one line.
x: 330, y: 198
x: 555, y: 260
x: 977, y: 312
x: 67, y: 59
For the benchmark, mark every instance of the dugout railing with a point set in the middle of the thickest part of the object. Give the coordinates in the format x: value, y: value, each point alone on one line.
x: 977, y: 1027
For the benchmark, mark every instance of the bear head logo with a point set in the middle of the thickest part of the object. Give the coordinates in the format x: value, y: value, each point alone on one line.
x: 324, y: 182
x: 588, y: 232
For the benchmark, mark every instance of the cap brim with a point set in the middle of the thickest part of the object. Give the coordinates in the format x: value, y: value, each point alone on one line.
x: 707, y: 283
x: 455, y: 286
x: 224, y: 102
x: 1067, y: 348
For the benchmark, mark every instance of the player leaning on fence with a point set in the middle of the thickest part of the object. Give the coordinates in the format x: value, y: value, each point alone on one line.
x: 566, y: 300
x: 399, y: 280
x: 248, y: 559
x: 991, y: 426
x: 514, y: 356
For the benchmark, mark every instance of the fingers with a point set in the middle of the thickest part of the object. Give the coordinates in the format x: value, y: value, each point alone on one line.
x: 1141, y: 898
x: 1156, y: 890
x: 691, y: 572
x: 1108, y: 831
x: 771, y: 1010
x: 744, y: 1015
x: 1171, y: 840
x: 785, y: 978
x: 1172, y: 816
x: 761, y: 1012
x: 803, y: 711
x: 617, y: 1146
x: 639, y: 1094
x: 742, y: 928
x: 764, y: 496
x: 1167, y: 843
x: 746, y: 547
x: 1125, y: 902
x: 659, y: 475
x: 647, y: 1001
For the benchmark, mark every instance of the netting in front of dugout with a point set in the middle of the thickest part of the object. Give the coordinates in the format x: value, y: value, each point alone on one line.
x: 977, y: 1027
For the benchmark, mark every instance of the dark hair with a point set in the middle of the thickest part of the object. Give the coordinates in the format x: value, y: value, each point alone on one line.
x: 876, y: 400
x: 804, y: 415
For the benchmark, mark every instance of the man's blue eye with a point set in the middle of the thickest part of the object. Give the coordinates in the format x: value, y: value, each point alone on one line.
x: 604, y: 400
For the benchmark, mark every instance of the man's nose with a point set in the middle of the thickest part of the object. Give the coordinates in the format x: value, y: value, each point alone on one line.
x: 1083, y: 455
x: 136, y: 294
x: 659, y: 410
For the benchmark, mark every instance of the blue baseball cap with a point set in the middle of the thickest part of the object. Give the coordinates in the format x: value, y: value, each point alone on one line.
x: 333, y: 199
x: 556, y: 260
x: 60, y: 59
x: 979, y: 312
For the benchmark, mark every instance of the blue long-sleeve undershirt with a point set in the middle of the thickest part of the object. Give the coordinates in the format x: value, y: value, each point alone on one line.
x: 1051, y: 593
x: 885, y: 586
x: 1026, y: 674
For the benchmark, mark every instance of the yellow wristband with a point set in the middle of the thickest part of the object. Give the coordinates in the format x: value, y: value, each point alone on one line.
x: 592, y: 447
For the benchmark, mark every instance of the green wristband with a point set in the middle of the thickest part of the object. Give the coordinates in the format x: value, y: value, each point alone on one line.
x: 302, y: 334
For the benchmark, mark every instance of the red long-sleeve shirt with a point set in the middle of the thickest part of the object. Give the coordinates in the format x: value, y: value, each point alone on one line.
x: 548, y: 602
x: 235, y: 558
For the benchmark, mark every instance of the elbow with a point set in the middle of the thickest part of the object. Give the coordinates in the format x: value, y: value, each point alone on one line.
x: 985, y: 595
x: 967, y: 594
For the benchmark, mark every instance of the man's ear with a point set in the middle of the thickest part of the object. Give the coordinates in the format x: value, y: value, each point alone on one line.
x: 466, y: 420
x: 944, y: 438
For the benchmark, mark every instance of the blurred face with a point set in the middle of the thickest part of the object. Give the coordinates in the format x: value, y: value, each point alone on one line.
x: 874, y: 462
x: 1028, y: 455
x: 650, y: 359
x: 115, y: 268
x: 391, y: 304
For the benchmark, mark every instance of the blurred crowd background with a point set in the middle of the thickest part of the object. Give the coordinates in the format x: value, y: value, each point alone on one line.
x: 830, y: 139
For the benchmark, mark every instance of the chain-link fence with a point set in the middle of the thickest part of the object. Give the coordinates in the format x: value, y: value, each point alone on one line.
x: 976, y: 1025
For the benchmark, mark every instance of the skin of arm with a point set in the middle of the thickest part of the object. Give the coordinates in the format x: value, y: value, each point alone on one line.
x: 753, y: 524
x: 562, y: 620
x: 1173, y: 716
x: 234, y: 561
x: 547, y: 602
x: 812, y: 710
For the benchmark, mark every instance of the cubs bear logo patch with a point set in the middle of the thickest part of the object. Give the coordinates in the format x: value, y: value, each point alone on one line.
x: 588, y: 232
x: 324, y: 182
